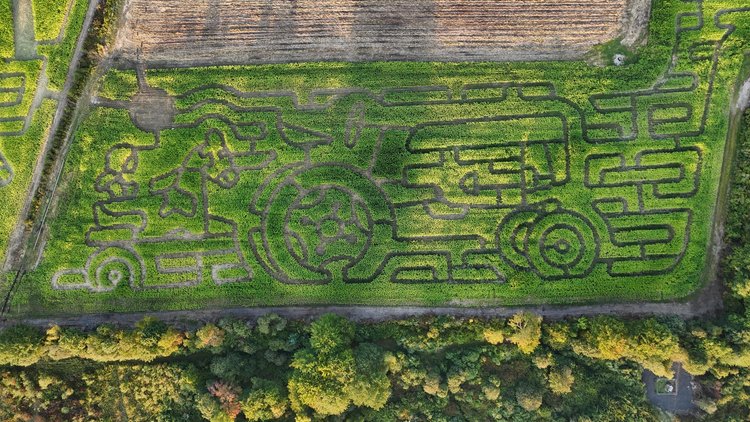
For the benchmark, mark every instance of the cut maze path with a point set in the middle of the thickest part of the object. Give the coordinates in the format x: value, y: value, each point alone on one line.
x: 644, y: 160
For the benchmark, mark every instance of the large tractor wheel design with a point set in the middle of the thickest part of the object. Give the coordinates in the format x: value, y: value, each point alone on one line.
x: 319, y: 222
x: 111, y: 266
x: 549, y: 240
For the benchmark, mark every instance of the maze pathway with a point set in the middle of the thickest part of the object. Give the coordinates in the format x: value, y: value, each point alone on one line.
x: 393, y: 192
x: 32, y: 73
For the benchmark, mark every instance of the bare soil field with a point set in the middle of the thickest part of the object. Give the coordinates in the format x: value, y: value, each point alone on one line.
x: 210, y: 32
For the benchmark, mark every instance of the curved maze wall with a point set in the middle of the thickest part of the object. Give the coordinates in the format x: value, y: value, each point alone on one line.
x: 493, y: 184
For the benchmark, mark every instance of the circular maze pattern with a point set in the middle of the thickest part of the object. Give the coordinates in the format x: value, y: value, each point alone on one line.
x: 112, y: 266
x: 562, y: 244
x: 327, y: 224
x: 318, y: 221
x: 553, y: 244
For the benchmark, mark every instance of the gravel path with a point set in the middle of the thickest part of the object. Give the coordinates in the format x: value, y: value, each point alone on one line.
x: 23, y: 31
x: 707, y: 302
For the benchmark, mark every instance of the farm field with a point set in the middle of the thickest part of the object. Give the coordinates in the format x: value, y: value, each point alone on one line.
x: 6, y: 31
x: 164, y: 33
x: 392, y: 183
x: 30, y: 85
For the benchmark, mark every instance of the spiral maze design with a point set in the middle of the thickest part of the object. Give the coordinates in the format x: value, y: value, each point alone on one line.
x: 563, y: 245
x: 556, y: 244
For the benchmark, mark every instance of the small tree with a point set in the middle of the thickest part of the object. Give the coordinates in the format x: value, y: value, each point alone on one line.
x: 561, y: 380
x: 228, y: 396
x: 266, y: 400
x: 527, y: 331
x: 493, y: 335
x: 270, y: 324
x: 544, y: 361
x: 491, y: 388
x: 330, y: 333
x: 209, y: 336
x: 530, y: 400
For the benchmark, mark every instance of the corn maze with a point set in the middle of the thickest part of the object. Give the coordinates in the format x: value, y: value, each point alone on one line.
x: 33, y: 66
x: 247, y: 187
x: 16, y: 93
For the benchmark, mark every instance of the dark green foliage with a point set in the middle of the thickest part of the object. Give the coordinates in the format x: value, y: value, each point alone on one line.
x: 438, y: 368
x: 140, y: 392
x: 266, y: 400
x: 20, y: 346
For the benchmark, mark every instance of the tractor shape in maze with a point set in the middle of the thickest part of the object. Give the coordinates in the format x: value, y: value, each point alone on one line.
x: 416, y: 184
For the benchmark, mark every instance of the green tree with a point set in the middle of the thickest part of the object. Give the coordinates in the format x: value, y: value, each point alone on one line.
x: 561, y: 380
x: 371, y: 386
x: 654, y: 346
x: 209, y: 337
x: 331, y: 334
x: 529, y: 399
x: 493, y: 333
x: 210, y: 409
x: 526, y: 331
x: 140, y: 392
x: 271, y: 324
x: 605, y: 338
x: 21, y: 346
x: 266, y: 400
x: 329, y: 375
x: 232, y: 367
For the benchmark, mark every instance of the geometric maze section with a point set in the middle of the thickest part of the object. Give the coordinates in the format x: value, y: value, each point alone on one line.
x: 17, y: 88
x: 416, y: 184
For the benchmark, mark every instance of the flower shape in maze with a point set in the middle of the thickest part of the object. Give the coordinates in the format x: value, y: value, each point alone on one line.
x: 315, y: 217
x: 324, y: 222
x: 553, y: 242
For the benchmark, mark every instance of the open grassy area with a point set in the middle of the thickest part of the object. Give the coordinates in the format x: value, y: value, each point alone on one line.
x: 400, y: 183
x: 19, y: 144
x: 60, y: 54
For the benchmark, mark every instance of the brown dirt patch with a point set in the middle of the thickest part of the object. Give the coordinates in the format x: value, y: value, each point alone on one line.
x: 209, y: 32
